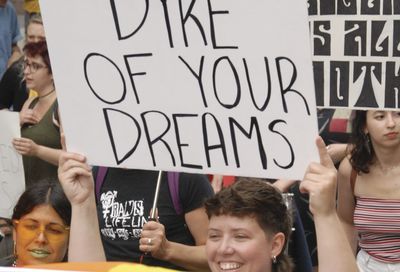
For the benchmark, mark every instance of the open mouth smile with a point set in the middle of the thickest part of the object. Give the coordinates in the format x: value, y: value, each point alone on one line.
x: 229, y: 266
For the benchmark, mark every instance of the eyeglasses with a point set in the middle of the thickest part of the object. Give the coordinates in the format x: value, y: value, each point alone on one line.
x: 33, y: 66
x: 30, y: 229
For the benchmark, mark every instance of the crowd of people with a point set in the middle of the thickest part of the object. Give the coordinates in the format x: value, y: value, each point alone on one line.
x: 73, y: 212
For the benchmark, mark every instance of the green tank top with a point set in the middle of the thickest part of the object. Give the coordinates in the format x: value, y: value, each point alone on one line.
x: 43, y: 133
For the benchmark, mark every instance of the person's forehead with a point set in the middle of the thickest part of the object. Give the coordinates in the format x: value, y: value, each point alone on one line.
x: 35, y: 28
x: 36, y: 59
x: 235, y: 221
x: 44, y: 214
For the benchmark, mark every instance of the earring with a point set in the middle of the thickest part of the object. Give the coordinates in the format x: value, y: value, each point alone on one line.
x: 274, y: 261
x: 14, y: 264
x: 367, y: 143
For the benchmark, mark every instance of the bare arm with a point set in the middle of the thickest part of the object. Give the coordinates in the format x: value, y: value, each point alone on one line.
x: 320, y: 182
x: 189, y: 257
x: 76, y: 179
x: 27, y: 147
x: 337, y: 152
x: 330, y: 237
x: 346, y: 203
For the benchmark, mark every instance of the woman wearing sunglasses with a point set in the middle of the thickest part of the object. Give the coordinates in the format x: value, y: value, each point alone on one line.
x: 41, y: 222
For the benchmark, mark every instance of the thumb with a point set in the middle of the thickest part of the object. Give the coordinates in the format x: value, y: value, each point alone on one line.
x: 324, y: 157
x: 153, y: 217
x: 63, y: 142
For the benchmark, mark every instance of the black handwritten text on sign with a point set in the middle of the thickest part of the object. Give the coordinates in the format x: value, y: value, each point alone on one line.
x: 206, y: 86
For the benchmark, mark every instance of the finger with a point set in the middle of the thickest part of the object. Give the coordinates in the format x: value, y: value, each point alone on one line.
x: 308, y: 186
x: 72, y: 163
x: 72, y: 175
x: 324, y: 157
x: 29, y: 120
x: 303, y: 188
x: 21, y: 152
x: 155, y: 218
x: 75, y: 172
x: 63, y: 143
x: 65, y: 156
x: 149, y: 227
x: 145, y: 248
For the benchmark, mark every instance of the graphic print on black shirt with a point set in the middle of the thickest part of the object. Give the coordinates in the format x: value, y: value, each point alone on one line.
x: 122, y: 219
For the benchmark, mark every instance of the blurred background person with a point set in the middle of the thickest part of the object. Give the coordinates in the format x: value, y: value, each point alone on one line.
x: 6, y: 244
x: 9, y: 36
x: 13, y: 90
x: 31, y: 8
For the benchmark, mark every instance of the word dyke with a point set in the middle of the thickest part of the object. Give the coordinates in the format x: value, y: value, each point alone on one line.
x: 186, y: 17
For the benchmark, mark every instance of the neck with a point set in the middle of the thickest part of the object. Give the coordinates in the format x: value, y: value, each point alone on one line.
x: 387, y: 158
x: 46, y: 94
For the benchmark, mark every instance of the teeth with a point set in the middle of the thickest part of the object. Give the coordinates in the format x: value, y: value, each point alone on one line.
x: 39, y: 254
x: 40, y: 251
x: 228, y: 266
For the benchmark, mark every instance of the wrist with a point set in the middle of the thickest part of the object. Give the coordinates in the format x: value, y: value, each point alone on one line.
x: 87, y: 204
x: 35, y: 150
x: 167, y: 251
x: 325, y: 217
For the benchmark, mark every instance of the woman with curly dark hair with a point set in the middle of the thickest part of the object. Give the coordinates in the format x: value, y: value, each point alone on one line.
x: 369, y: 190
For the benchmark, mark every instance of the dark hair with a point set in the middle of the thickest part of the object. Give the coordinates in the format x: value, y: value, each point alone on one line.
x: 35, y: 49
x: 42, y: 193
x: 258, y: 199
x: 362, y: 153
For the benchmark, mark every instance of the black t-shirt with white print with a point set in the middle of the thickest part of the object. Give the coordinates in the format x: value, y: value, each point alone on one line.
x: 124, y: 205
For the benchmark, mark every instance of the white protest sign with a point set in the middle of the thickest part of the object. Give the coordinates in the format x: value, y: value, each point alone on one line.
x: 356, y: 48
x: 197, y: 86
x: 12, y: 180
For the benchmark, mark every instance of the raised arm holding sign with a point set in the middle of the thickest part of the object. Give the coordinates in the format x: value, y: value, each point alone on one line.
x: 188, y: 86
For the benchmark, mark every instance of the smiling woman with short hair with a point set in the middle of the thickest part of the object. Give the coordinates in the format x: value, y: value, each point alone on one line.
x: 249, y: 228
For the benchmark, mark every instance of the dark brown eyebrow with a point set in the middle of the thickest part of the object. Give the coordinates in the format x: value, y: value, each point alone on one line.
x: 51, y: 223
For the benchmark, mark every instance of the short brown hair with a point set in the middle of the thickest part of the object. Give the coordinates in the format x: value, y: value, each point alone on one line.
x: 35, y: 49
x: 260, y: 200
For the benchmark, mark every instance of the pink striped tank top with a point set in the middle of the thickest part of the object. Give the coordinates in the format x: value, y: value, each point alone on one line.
x: 378, y: 224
